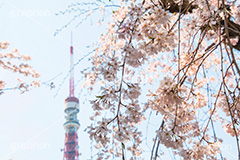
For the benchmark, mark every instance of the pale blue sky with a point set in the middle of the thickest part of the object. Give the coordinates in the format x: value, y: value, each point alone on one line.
x: 35, y: 118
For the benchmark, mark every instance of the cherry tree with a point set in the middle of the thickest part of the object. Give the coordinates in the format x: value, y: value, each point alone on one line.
x: 14, y: 62
x: 176, y: 58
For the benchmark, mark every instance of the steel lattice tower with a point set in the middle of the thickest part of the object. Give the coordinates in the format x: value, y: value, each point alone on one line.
x: 71, y: 126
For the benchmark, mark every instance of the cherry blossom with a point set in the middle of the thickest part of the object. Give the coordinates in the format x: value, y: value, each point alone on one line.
x: 175, y: 58
x: 14, y: 62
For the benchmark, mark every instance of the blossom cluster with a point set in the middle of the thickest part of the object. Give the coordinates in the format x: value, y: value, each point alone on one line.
x: 10, y: 61
x: 187, y: 59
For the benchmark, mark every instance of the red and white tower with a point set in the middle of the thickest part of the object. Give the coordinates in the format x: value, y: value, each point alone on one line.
x: 71, y: 126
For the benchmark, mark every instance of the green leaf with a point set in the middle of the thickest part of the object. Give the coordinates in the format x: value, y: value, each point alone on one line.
x: 100, y: 97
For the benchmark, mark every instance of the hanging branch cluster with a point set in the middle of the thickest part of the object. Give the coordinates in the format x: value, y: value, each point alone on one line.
x: 84, y: 10
x: 187, y: 49
x: 9, y: 61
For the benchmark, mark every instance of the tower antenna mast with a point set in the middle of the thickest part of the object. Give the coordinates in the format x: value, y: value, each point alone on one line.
x: 71, y: 90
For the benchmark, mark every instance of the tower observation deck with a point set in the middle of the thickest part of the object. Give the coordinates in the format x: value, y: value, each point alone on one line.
x: 71, y: 126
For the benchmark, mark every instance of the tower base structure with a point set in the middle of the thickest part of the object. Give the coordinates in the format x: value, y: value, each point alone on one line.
x: 71, y: 146
x: 71, y: 126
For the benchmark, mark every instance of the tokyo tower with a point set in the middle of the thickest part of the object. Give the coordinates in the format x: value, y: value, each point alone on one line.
x: 71, y: 126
